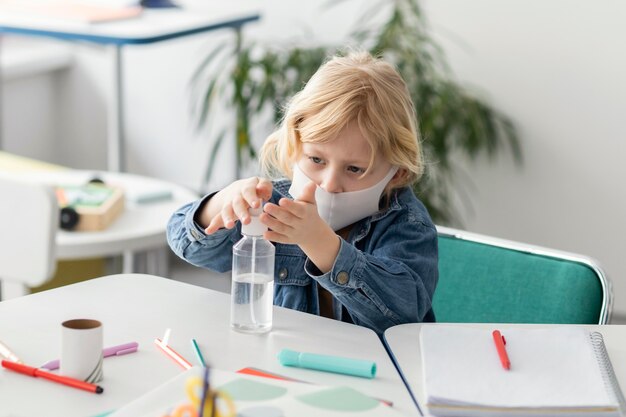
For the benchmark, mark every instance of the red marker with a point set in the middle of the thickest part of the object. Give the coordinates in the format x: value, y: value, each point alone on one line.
x: 500, y: 342
x: 66, y: 380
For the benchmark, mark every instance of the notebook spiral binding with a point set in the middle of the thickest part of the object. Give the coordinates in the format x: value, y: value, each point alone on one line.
x: 608, y: 374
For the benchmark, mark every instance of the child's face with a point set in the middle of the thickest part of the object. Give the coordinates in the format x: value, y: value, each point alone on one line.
x: 337, y: 166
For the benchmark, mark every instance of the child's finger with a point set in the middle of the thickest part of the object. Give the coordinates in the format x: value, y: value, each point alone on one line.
x: 240, y: 208
x: 275, y: 223
x: 308, y: 193
x: 250, y: 195
x: 279, y: 213
x: 276, y: 237
x: 296, y: 208
x: 215, y: 224
x: 264, y: 189
x: 228, y: 216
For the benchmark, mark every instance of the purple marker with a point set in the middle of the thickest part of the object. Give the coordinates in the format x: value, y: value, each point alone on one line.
x: 106, y: 352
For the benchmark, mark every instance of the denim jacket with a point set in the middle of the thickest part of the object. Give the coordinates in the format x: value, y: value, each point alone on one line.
x: 385, y: 273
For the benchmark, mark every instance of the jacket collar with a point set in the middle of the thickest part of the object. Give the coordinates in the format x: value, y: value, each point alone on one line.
x: 363, y: 226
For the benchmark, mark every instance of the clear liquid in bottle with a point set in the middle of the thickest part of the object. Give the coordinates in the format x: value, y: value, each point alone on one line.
x: 252, y: 301
x: 252, y: 294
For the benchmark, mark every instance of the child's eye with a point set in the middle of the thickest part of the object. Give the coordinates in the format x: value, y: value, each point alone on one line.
x: 315, y: 159
x: 356, y: 170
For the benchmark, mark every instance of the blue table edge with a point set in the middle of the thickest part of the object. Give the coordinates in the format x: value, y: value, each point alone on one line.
x: 404, y: 380
x: 117, y: 40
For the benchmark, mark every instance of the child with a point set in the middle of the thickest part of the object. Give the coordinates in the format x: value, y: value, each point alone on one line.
x: 352, y: 240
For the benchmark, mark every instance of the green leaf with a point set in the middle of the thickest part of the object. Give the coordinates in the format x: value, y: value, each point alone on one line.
x: 206, y: 104
x: 205, y: 63
x: 213, y: 154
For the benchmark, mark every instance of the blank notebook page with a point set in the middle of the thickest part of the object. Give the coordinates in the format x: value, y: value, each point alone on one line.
x: 549, y: 368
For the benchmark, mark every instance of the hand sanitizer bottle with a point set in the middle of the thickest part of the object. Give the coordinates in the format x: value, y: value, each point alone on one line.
x: 252, y: 295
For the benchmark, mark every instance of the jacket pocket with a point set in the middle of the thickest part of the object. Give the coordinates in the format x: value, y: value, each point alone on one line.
x: 292, y: 284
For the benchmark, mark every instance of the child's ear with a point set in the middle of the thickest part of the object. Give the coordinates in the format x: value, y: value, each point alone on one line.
x: 399, y: 176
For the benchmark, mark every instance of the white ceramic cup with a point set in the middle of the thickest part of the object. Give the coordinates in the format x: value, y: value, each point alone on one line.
x: 81, y: 349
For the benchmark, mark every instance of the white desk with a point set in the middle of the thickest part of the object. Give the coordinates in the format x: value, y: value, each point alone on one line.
x: 139, y: 308
x: 140, y: 227
x: 403, y: 343
x: 152, y: 26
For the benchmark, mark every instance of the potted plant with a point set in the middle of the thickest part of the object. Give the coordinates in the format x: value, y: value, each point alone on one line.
x: 451, y: 118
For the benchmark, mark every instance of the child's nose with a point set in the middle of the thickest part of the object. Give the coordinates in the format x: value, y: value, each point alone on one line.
x: 331, y: 183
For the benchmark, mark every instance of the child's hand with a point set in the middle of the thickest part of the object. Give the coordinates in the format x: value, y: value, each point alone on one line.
x: 295, y: 221
x: 232, y: 203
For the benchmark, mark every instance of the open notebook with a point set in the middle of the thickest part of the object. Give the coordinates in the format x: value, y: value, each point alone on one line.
x: 562, y: 371
x: 255, y: 396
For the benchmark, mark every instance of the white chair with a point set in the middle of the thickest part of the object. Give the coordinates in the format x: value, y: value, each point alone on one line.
x: 29, y: 217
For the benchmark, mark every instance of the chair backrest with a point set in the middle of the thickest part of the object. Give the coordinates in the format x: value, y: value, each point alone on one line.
x: 29, y: 217
x: 488, y: 280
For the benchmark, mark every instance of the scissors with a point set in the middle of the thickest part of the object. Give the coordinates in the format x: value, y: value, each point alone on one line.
x: 215, y: 403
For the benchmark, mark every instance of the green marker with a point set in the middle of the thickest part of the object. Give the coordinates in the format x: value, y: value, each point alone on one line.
x: 328, y: 363
x: 196, y: 349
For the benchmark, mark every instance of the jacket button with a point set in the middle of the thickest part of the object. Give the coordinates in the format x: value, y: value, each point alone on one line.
x: 282, y: 274
x: 343, y: 278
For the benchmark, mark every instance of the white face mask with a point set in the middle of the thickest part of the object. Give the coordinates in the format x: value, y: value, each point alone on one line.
x: 342, y: 209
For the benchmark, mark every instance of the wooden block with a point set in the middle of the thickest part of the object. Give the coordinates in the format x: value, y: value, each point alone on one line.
x: 97, y: 205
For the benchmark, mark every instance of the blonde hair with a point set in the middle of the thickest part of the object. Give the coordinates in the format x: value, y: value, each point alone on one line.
x: 356, y: 87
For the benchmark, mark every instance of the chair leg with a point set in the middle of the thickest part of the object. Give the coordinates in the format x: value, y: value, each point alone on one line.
x: 151, y: 261
x: 157, y: 262
x: 11, y: 289
x: 128, y: 262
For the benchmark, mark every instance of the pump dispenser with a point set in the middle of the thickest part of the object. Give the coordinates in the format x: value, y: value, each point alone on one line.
x: 252, y: 292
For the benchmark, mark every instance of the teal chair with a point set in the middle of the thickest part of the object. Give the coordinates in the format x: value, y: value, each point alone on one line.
x: 488, y: 280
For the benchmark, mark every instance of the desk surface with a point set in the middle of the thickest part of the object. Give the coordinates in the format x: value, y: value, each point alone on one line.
x: 139, y: 308
x: 151, y: 26
x: 403, y: 342
x: 139, y: 227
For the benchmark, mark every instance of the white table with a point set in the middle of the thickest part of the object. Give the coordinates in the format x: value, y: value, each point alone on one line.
x: 403, y: 343
x: 140, y: 227
x: 139, y: 308
x: 152, y: 26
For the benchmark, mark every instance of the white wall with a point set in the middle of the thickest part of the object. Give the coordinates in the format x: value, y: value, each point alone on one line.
x: 30, y: 75
x: 556, y: 67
